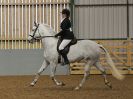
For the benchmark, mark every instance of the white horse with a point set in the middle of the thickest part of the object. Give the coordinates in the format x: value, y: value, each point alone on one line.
x: 86, y: 50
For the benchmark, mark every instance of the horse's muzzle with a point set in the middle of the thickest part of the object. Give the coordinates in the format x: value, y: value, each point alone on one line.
x: 30, y: 41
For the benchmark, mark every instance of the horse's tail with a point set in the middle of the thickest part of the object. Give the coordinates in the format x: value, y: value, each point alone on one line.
x: 114, y: 70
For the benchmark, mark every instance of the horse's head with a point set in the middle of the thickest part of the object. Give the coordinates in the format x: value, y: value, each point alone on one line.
x: 34, y: 34
x: 39, y: 31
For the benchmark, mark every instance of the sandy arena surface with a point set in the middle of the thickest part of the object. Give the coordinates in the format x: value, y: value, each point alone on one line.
x: 17, y: 87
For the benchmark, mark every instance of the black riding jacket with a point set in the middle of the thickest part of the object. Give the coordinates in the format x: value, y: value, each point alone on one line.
x: 65, y: 32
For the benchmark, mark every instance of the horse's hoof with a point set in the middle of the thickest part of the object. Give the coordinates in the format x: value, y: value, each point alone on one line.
x: 110, y: 87
x: 77, y: 88
x: 32, y: 84
x: 61, y: 84
x: 108, y: 84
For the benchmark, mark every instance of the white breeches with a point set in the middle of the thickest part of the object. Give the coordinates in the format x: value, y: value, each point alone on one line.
x: 64, y: 43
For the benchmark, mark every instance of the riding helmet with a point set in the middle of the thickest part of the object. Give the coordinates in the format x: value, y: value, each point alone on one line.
x: 66, y: 11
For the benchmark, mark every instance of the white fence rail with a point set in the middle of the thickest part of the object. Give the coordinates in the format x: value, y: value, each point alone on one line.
x: 17, y: 18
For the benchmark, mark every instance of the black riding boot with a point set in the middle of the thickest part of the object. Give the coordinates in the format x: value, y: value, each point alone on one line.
x: 66, y: 61
x: 64, y: 55
x: 59, y: 58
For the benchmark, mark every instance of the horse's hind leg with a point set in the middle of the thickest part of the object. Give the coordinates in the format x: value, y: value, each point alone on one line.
x: 99, y: 67
x: 43, y: 67
x: 86, y: 74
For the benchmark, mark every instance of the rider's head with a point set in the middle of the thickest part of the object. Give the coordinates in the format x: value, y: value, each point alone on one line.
x: 65, y: 13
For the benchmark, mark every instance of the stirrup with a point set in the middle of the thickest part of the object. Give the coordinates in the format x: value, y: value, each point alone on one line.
x: 66, y: 63
x: 59, y: 59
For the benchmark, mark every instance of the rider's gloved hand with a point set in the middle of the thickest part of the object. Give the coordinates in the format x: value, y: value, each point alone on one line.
x: 56, y: 36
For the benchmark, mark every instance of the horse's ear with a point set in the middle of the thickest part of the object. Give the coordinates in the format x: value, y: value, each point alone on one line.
x: 35, y: 23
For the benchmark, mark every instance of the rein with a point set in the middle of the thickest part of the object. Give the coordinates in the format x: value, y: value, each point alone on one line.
x: 41, y: 37
x: 46, y: 36
x: 54, y: 36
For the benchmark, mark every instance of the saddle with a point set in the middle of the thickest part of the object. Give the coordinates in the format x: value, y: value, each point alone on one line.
x: 67, y: 48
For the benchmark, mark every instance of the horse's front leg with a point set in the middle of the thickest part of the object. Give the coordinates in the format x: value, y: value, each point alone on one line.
x: 53, y: 71
x: 43, y: 67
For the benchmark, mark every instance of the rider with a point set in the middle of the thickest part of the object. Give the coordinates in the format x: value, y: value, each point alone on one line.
x: 66, y: 34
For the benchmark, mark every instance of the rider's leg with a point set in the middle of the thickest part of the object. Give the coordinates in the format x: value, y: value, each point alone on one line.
x: 58, y: 44
x: 63, y: 44
x: 64, y: 55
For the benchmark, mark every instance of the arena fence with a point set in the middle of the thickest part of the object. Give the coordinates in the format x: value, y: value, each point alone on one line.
x: 121, y: 52
x: 17, y: 18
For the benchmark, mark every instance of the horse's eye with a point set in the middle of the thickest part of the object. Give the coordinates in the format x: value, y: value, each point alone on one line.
x: 32, y: 29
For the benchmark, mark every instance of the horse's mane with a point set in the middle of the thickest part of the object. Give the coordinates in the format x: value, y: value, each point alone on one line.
x: 50, y: 29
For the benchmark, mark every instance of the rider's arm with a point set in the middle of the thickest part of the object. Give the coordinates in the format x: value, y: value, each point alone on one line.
x: 59, y: 34
x: 65, y: 25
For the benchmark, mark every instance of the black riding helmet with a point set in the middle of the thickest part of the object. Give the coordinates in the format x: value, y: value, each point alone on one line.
x: 67, y: 12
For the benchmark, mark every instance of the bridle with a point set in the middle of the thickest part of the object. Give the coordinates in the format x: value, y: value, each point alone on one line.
x: 37, y: 38
x: 33, y: 36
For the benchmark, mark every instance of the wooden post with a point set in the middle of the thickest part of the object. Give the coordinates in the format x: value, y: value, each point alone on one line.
x: 129, y: 54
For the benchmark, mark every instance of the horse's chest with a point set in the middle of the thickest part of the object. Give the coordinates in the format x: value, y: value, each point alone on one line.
x: 50, y: 55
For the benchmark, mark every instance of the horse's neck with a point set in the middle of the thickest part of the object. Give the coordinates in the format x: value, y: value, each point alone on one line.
x: 49, y: 42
